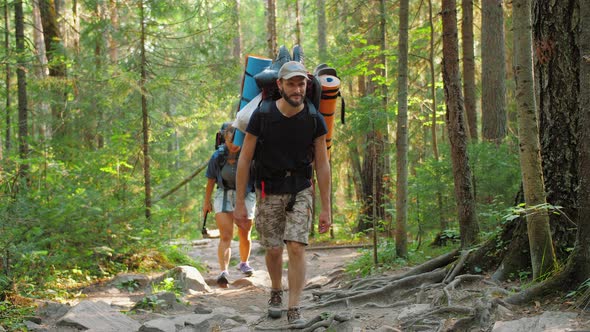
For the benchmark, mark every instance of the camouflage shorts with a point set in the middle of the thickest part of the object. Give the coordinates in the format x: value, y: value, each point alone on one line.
x: 275, y: 225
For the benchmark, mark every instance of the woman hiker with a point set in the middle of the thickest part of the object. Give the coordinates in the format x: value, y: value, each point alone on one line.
x: 221, y: 170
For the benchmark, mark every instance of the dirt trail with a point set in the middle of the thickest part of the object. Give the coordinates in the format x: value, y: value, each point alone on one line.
x: 403, y: 300
x: 249, y: 295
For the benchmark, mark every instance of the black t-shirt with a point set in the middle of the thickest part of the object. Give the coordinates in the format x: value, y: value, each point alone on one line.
x: 286, y: 144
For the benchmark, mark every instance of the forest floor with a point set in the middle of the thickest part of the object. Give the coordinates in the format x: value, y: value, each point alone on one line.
x: 333, y: 300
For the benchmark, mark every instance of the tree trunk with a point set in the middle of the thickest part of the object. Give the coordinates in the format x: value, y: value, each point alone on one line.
x: 52, y: 37
x: 581, y: 255
x: 456, y: 126
x: 401, y: 205
x: 57, y: 67
x: 376, y: 136
x: 271, y: 28
x: 539, y: 233
x: 113, y: 45
x: 237, y: 49
x: 493, y: 71
x: 431, y: 61
x: 145, y: 118
x: 8, y: 77
x: 557, y: 69
x: 75, y: 28
x: 322, y: 31
x: 433, y: 126
x: 21, y: 65
x: 386, y: 198
x: 469, y: 67
x: 298, y: 29
x: 577, y: 269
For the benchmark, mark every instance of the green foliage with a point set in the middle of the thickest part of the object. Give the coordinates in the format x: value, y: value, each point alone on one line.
x: 581, y: 295
x: 496, y: 179
x: 150, y: 302
x: 129, y: 285
x: 177, y: 256
x: 167, y: 285
x: 388, y: 260
x: 12, y: 316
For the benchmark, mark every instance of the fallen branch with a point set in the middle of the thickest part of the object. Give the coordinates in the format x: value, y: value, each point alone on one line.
x: 183, y: 182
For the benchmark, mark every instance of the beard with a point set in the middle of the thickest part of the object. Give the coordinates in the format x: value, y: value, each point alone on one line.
x: 294, y: 103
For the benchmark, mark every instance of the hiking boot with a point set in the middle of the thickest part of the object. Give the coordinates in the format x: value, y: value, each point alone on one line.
x: 246, y: 269
x: 294, y: 316
x: 222, y: 280
x: 274, y: 304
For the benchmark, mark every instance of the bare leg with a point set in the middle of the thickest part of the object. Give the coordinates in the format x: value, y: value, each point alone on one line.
x: 225, y: 225
x: 274, y: 265
x: 296, y: 252
x: 245, y: 242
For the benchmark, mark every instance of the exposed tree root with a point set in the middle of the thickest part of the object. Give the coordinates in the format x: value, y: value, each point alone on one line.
x: 437, y: 283
x: 383, y: 294
x: 455, y: 310
x: 380, y: 282
x: 551, y: 285
x: 457, y: 268
x: 392, y: 305
x: 316, y: 322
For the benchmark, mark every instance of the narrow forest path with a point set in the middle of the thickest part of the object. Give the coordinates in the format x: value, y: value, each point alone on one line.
x: 412, y: 299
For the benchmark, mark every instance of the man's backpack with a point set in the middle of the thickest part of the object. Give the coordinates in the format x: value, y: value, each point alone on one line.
x: 322, y: 90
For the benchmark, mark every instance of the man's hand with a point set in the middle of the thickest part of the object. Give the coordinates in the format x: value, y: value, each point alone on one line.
x: 325, y: 221
x: 241, y: 215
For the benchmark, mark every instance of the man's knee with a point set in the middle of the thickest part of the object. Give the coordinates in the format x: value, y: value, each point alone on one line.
x: 295, y: 249
x: 274, y: 252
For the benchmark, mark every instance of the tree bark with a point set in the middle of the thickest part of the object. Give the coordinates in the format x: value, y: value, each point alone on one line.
x: 237, y: 49
x: 456, y: 126
x: 271, y: 28
x: 581, y: 255
x: 113, y: 45
x: 145, y: 117
x: 493, y: 64
x: 469, y: 67
x: 298, y: 29
x: 557, y: 62
x: 57, y: 68
x: 401, y: 205
x: 52, y: 37
x: 432, y: 83
x: 539, y: 233
x: 322, y: 31
x: 577, y: 269
x: 21, y: 77
x: 7, y: 80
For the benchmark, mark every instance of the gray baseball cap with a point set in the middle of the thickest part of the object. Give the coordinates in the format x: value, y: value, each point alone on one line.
x: 291, y: 69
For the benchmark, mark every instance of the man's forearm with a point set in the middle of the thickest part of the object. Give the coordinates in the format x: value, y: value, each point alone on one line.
x: 242, y: 176
x: 323, y: 176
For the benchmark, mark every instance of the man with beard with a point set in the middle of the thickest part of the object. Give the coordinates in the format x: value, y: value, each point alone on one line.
x: 284, y: 137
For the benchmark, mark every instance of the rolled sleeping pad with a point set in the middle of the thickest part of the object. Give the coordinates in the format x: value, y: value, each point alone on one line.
x: 254, y: 65
x: 330, y: 88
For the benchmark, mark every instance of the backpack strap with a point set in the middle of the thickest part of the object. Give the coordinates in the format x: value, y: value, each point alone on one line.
x: 265, y: 108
